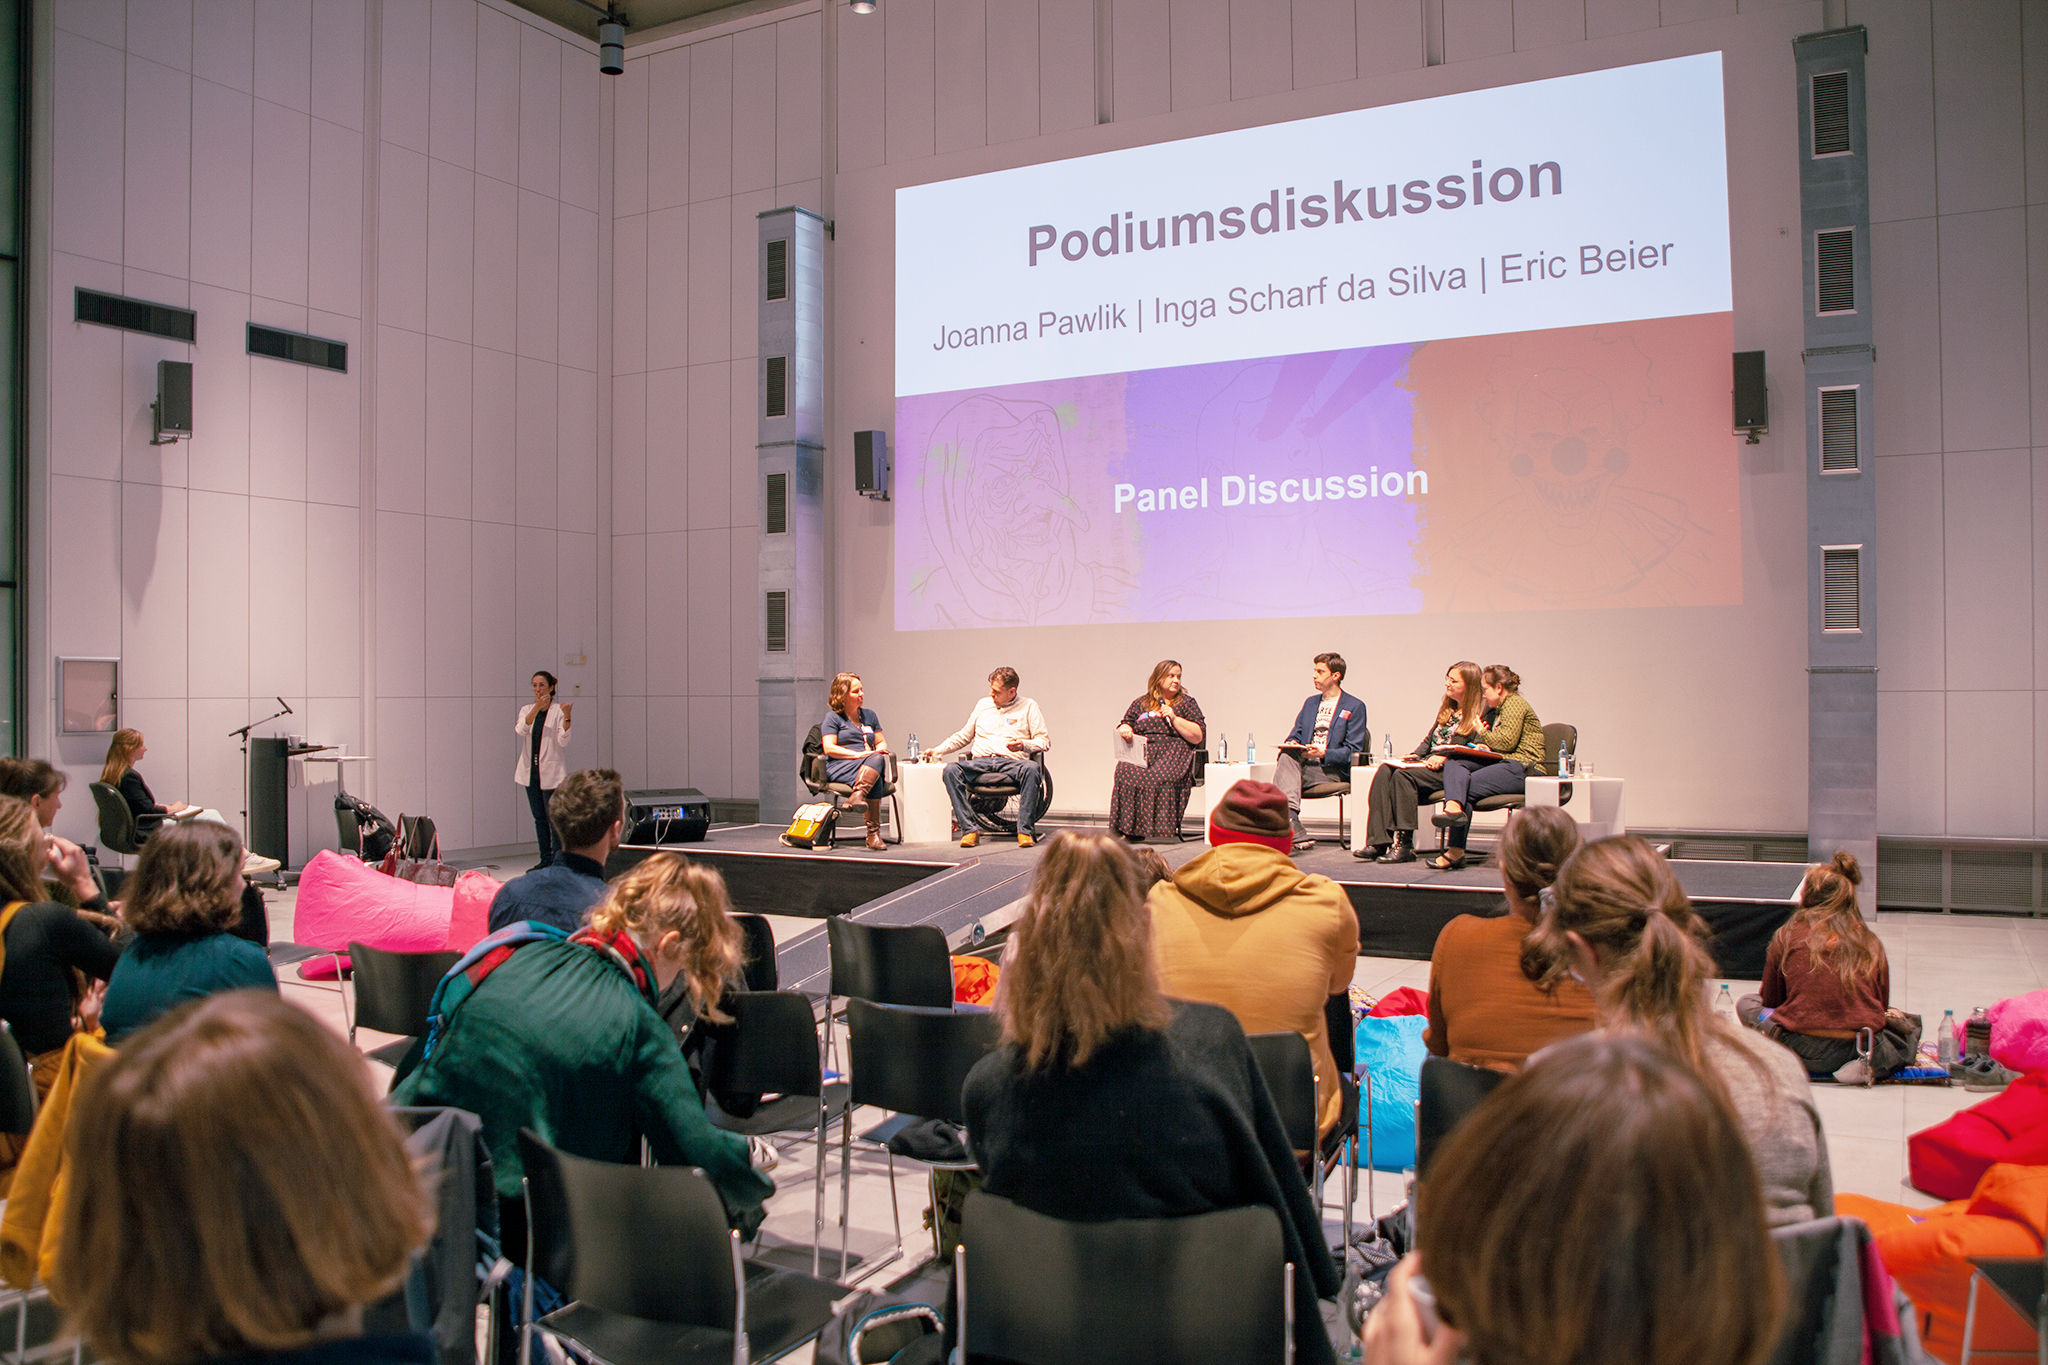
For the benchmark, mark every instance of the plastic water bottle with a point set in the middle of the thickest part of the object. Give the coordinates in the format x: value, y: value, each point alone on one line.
x: 913, y: 746
x: 1251, y: 749
x: 1946, y: 1050
x: 1564, y: 762
x: 1390, y: 748
x: 1724, y: 1003
x: 1222, y: 747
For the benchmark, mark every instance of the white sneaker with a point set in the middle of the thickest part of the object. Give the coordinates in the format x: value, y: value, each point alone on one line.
x: 1854, y: 1073
x: 255, y: 864
x: 762, y: 1153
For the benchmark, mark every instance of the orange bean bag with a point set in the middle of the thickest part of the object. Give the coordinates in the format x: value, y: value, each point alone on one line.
x: 1927, y: 1251
x: 974, y: 980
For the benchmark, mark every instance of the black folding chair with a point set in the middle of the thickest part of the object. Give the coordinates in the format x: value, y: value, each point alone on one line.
x: 1289, y: 1069
x: 914, y: 1061
x: 1210, y: 1289
x: 393, y: 994
x: 2022, y: 1281
x: 888, y: 964
x: 771, y: 1049
x: 654, y: 1273
x: 1448, y: 1091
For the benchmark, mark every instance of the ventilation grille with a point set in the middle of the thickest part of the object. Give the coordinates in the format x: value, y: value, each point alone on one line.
x: 1831, y: 113
x: 1841, y: 603
x: 778, y: 623
x: 298, y: 348
x: 1912, y: 875
x: 1990, y: 879
x: 1838, y: 431
x: 136, y: 315
x: 777, y: 520
x: 1835, y: 270
x: 778, y: 270
x: 777, y: 401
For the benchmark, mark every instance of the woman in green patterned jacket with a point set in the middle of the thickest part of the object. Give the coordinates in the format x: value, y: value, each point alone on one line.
x: 1511, y: 730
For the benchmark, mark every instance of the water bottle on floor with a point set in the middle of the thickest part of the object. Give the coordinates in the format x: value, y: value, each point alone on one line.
x: 1724, y: 1003
x: 1945, y: 1040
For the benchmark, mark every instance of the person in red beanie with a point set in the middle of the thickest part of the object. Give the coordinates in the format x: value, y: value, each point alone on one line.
x: 1242, y: 927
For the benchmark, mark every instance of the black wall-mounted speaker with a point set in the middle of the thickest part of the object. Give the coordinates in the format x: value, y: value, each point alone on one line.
x: 1752, y: 396
x: 871, y: 464
x: 173, y: 398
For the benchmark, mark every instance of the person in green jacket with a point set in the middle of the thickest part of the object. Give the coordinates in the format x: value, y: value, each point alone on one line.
x: 1509, y: 728
x: 538, y: 1029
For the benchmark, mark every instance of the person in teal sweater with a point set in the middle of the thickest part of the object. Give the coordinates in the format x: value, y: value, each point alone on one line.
x: 184, y: 897
x: 536, y: 1028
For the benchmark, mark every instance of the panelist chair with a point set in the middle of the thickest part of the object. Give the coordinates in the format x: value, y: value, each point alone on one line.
x: 1319, y: 791
x: 991, y: 793
x: 117, y: 821
x: 812, y: 770
x: 1555, y: 737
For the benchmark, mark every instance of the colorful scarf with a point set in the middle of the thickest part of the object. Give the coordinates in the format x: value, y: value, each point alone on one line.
x: 495, y: 950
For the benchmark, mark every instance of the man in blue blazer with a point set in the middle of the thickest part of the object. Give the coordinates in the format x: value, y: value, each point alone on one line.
x: 1328, y: 734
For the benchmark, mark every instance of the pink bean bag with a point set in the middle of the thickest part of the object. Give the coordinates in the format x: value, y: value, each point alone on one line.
x: 342, y: 901
x: 474, y: 892
x: 2019, y: 1032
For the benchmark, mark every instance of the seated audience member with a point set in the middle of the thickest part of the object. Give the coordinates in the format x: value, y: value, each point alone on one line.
x: 856, y: 751
x: 1825, y: 977
x: 1508, y: 727
x: 1242, y: 927
x: 183, y: 901
x: 588, y: 811
x: 1619, y: 921
x: 237, y: 1194
x: 1327, y: 736
x: 1003, y: 735
x: 1398, y: 789
x: 1107, y: 1100
x: 1482, y: 1009
x: 68, y: 878
x: 1600, y: 1208
x: 124, y: 751
x: 536, y: 1028
x: 1151, y: 865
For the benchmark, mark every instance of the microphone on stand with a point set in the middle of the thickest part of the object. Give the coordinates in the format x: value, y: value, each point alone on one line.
x: 286, y: 705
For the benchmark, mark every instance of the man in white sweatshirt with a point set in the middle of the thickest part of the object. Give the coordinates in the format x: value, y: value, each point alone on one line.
x: 1004, y: 735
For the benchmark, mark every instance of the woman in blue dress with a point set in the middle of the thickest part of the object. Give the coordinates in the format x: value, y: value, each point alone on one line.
x: 856, y: 750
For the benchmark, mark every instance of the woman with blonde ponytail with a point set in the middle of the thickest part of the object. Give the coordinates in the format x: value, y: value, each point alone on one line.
x: 1619, y: 921
x: 1826, y: 976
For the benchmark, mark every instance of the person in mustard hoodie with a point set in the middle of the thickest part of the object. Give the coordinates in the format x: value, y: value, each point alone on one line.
x: 1242, y: 927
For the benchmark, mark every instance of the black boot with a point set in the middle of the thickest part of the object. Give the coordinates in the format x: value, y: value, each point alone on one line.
x: 1403, y: 850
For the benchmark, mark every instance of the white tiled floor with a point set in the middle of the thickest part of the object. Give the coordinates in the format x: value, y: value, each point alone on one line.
x: 1938, y: 962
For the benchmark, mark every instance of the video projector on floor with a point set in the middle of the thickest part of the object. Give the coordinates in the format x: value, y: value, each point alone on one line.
x: 671, y: 815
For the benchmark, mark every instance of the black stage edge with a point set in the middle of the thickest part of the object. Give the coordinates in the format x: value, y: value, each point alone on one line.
x: 968, y: 894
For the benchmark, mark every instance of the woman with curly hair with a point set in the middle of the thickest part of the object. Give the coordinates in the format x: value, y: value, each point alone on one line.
x: 182, y: 903
x: 537, y: 1028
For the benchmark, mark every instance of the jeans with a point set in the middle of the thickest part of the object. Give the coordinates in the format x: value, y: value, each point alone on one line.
x: 1028, y: 776
x: 543, y: 829
x: 1466, y: 782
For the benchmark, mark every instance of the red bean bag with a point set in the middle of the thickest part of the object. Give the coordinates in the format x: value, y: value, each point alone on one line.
x: 2011, y: 1126
x: 342, y: 901
x: 1399, y: 1001
x: 1927, y: 1251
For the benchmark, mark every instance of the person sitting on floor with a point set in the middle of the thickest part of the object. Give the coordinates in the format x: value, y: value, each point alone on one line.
x: 1242, y: 927
x: 236, y: 1193
x: 1482, y: 1009
x: 588, y: 812
x: 1599, y: 1208
x: 536, y: 1028
x: 1620, y: 922
x: 1106, y: 1099
x: 1825, y: 977
x: 184, y: 902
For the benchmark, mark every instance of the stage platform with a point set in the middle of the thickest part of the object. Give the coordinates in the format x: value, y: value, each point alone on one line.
x: 973, y: 894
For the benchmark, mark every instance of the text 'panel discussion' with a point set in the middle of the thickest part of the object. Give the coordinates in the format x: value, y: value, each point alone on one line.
x: 1018, y: 682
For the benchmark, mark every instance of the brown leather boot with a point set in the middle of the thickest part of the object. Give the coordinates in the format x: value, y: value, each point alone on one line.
x: 862, y: 780
x: 875, y: 826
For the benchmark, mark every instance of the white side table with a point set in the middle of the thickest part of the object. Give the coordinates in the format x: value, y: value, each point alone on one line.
x: 927, y: 814
x: 1354, y: 805
x: 1597, y: 802
x: 1217, y: 778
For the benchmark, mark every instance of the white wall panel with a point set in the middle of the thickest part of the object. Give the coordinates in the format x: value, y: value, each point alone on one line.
x: 162, y: 32
x: 337, y: 75
x: 1261, y: 47
x: 1325, y: 36
x: 1605, y: 18
x: 1141, y: 59
x: 539, y: 267
x: 278, y: 582
x: 576, y: 286
x: 668, y: 625
x: 85, y: 374
x: 1066, y: 65
x: 668, y: 288
x: 1990, y: 800
x: 629, y: 739
x: 629, y: 455
x: 494, y: 425
x: 711, y: 262
x: 576, y: 451
x: 576, y: 630
x: 401, y: 765
x: 629, y: 140
x: 1901, y: 65
x: 1984, y: 368
x: 629, y: 300
x: 743, y: 288
x: 334, y: 419
x: 222, y: 143
x: 280, y: 196
x: 1548, y: 23
x: 217, y: 456
x: 668, y: 742
x: 744, y: 624
x: 863, y: 77
x: 1988, y: 567
x: 224, y: 42
x: 154, y: 576
x: 2040, y: 491
x: 401, y: 614
x: 1978, y: 126
x: 1905, y: 289
x: 2034, y: 82
x: 711, y: 455
x: 746, y: 748
x: 580, y: 149
x: 449, y: 780
x: 495, y: 297
x: 497, y: 809
x: 451, y: 250
x: 1692, y: 11
x: 1390, y: 35
x: 741, y: 379
x: 402, y: 238
x: 85, y: 600
x: 334, y: 614
x: 668, y: 129
x: 908, y: 83
x: 158, y: 162
x: 401, y: 421
x: 1911, y: 653
x: 497, y: 95
x: 451, y: 83
x: 540, y: 111
x: 213, y: 760
x: 668, y: 450
x: 754, y: 100
x: 710, y: 739
x: 218, y: 613
x: 87, y: 130
x: 2037, y: 321
x: 710, y: 606
x: 494, y: 671
x: 1482, y: 28
x: 1200, y: 38
x: 629, y: 616
x: 799, y: 90
x: 284, y: 53
x: 277, y: 430
x: 449, y: 413
x: 535, y: 447
x: 445, y: 588
x: 710, y: 118
x: 536, y: 588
